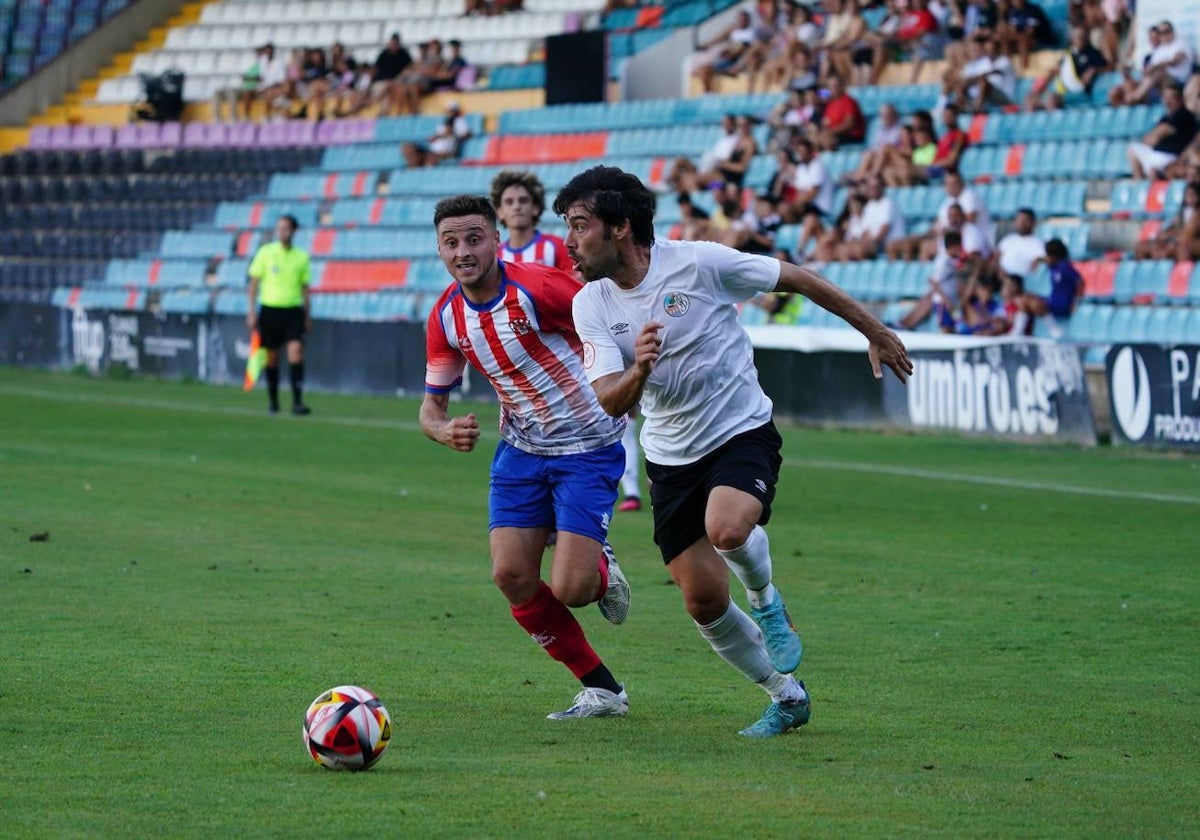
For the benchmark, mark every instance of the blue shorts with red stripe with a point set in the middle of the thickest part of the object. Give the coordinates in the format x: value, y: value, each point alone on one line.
x: 572, y: 493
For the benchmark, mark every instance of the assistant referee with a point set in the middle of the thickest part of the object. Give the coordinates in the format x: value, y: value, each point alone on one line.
x: 279, y: 299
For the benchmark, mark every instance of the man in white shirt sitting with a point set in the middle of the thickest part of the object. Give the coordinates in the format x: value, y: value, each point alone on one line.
x: 883, y: 222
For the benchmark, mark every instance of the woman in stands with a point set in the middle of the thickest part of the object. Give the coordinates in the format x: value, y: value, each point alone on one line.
x: 728, y: 53
x: 1179, y: 238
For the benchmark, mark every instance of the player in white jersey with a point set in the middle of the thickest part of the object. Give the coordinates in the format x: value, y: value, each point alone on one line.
x: 520, y: 199
x: 559, y: 457
x: 659, y: 327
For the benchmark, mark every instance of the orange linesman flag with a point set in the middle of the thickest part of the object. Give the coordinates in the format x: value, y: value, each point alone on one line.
x: 256, y: 360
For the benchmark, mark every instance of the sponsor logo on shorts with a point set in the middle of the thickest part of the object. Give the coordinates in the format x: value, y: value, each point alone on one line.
x: 676, y: 304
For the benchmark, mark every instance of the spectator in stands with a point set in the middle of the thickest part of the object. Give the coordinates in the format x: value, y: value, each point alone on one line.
x: 900, y: 171
x: 982, y: 311
x: 898, y: 157
x: 950, y: 145
x: 1170, y: 59
x: 1066, y: 286
x: 755, y: 231
x: 801, y: 73
x: 987, y: 79
x: 726, y: 54
x: 842, y: 120
x: 446, y: 142
x: 786, y: 120
x: 1104, y: 21
x: 693, y: 220
x: 493, y: 7
x: 889, y: 132
x: 980, y: 19
x: 1071, y: 81
x: 1024, y: 27
x: 782, y: 184
x: 391, y: 62
x: 771, y: 44
x: 1179, y: 239
x: 339, y: 87
x: 1019, y: 251
x: 1165, y: 142
x: 832, y: 244
x: 812, y: 191
x: 882, y: 221
x: 520, y: 199
x: 239, y: 99
x: 951, y: 271
x: 745, y: 147
x: 418, y: 80
x: 975, y: 224
x: 685, y: 175
x: 916, y: 32
x: 845, y: 36
x: 279, y: 309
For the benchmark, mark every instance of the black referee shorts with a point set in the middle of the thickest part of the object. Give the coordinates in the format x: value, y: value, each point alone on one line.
x: 679, y: 495
x: 278, y: 326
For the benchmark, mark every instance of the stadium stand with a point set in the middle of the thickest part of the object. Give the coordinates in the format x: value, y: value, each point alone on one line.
x: 167, y: 215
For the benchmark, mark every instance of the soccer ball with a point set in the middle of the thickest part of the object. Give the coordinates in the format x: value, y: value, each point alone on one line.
x: 347, y: 728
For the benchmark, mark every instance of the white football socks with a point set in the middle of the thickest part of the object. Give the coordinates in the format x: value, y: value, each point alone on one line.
x: 629, y: 481
x: 751, y: 562
x: 736, y: 639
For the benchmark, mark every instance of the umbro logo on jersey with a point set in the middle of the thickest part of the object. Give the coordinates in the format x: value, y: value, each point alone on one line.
x: 676, y: 304
x: 521, y: 326
x: 619, y: 329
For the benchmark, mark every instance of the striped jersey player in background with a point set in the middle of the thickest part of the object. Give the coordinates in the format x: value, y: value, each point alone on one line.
x: 520, y: 198
x: 559, y: 456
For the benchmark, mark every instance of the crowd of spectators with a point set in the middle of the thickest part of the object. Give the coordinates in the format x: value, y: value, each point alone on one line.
x: 315, y: 83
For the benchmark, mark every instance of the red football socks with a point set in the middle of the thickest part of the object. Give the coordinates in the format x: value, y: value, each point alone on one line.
x: 552, y: 626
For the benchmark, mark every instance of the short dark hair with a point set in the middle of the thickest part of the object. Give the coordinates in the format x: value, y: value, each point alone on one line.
x: 464, y: 205
x: 613, y: 196
x: 952, y: 238
x: 290, y: 219
x: 1057, y: 248
x: 1017, y: 280
x: 506, y: 178
x: 1027, y: 211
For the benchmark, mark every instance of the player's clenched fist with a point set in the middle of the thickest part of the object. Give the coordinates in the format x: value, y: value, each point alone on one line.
x: 647, y: 347
x: 461, y: 433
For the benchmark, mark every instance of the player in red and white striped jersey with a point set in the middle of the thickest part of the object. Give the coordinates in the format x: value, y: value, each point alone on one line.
x: 519, y: 199
x: 559, y: 458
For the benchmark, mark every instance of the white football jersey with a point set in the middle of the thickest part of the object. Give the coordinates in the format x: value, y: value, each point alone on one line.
x: 704, y: 387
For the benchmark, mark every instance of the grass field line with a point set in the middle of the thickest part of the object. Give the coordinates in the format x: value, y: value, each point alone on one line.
x: 992, y: 481
x: 413, y: 426
x: 201, y: 408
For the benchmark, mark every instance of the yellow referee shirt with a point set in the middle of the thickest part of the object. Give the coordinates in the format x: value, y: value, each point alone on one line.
x: 282, y: 274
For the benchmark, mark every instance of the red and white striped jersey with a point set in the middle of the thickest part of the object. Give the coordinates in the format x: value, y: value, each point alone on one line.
x: 544, y: 248
x: 525, y: 343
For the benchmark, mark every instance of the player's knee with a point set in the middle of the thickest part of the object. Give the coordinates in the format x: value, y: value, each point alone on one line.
x: 516, y: 585
x: 575, y: 593
x: 706, y: 607
x: 729, y: 533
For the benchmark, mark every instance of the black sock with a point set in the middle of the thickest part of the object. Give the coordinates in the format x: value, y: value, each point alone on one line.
x: 273, y: 386
x: 601, y: 677
x: 296, y: 371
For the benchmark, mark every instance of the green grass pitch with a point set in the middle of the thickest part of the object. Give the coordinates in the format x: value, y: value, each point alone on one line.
x: 1000, y: 640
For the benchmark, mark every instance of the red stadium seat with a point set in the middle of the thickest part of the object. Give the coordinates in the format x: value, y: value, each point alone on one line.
x: 1181, y: 277
x: 363, y: 275
x: 1015, y: 160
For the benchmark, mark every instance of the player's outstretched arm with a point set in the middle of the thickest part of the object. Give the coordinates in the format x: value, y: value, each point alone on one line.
x: 459, y: 433
x: 886, y: 348
x: 619, y: 393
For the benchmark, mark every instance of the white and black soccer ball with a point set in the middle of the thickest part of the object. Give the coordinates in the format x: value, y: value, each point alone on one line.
x: 347, y: 728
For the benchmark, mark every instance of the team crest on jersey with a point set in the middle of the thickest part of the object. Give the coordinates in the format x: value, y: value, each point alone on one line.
x: 676, y: 304
x: 521, y: 326
x: 464, y: 342
x: 589, y: 354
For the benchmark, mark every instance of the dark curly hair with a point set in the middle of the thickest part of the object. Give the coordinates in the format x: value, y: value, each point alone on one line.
x: 519, y: 178
x: 612, y: 195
